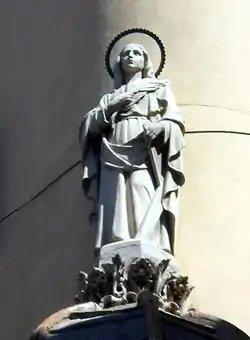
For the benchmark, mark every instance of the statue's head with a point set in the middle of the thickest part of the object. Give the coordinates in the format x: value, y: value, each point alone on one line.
x: 132, y: 59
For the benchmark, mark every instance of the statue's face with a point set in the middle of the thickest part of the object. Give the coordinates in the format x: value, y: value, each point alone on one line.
x: 132, y: 58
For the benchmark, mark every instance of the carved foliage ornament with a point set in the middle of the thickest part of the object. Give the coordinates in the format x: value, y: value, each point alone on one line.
x: 114, y: 285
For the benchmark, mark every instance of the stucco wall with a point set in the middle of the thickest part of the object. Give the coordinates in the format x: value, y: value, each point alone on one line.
x: 52, y: 71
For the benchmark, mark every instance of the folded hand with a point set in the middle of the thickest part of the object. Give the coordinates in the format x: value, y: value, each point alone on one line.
x: 120, y: 102
x: 153, y: 130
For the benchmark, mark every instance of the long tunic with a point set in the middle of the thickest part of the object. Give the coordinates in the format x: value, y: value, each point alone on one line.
x: 122, y: 169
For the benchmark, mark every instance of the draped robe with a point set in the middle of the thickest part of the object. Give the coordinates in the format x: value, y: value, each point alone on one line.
x: 121, y: 174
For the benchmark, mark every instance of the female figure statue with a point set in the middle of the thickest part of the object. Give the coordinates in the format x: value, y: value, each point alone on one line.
x: 131, y: 155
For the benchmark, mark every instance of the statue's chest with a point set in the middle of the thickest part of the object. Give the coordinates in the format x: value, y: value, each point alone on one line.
x: 128, y: 131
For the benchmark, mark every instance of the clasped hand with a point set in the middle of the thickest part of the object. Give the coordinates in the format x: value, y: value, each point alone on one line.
x: 153, y: 130
x: 120, y: 102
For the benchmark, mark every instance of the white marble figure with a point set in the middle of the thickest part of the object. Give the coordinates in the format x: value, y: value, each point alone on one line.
x: 131, y: 155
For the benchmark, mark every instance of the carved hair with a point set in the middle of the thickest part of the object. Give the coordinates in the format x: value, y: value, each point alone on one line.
x: 147, y: 72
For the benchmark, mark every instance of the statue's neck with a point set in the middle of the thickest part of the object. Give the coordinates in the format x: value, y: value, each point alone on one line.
x: 130, y: 77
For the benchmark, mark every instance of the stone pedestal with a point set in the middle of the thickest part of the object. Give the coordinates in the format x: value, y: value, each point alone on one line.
x: 132, y: 250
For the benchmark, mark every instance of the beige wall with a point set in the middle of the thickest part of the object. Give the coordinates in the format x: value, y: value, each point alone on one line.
x: 208, y: 64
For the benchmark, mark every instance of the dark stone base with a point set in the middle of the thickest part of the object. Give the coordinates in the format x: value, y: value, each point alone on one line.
x: 131, y: 322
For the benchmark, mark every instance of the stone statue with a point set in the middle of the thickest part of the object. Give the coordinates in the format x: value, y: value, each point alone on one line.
x: 131, y: 146
x: 131, y: 155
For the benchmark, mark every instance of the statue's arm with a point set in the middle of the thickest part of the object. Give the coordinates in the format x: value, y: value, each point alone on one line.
x: 171, y: 118
x: 171, y: 114
x: 97, y: 119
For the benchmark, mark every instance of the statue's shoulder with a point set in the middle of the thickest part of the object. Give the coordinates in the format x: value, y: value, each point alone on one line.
x: 164, y: 88
x: 164, y: 92
x: 164, y: 82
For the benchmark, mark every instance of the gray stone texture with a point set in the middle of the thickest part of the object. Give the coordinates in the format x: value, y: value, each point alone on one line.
x: 44, y: 90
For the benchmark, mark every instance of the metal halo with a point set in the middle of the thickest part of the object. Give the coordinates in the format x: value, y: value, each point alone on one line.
x: 131, y: 31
